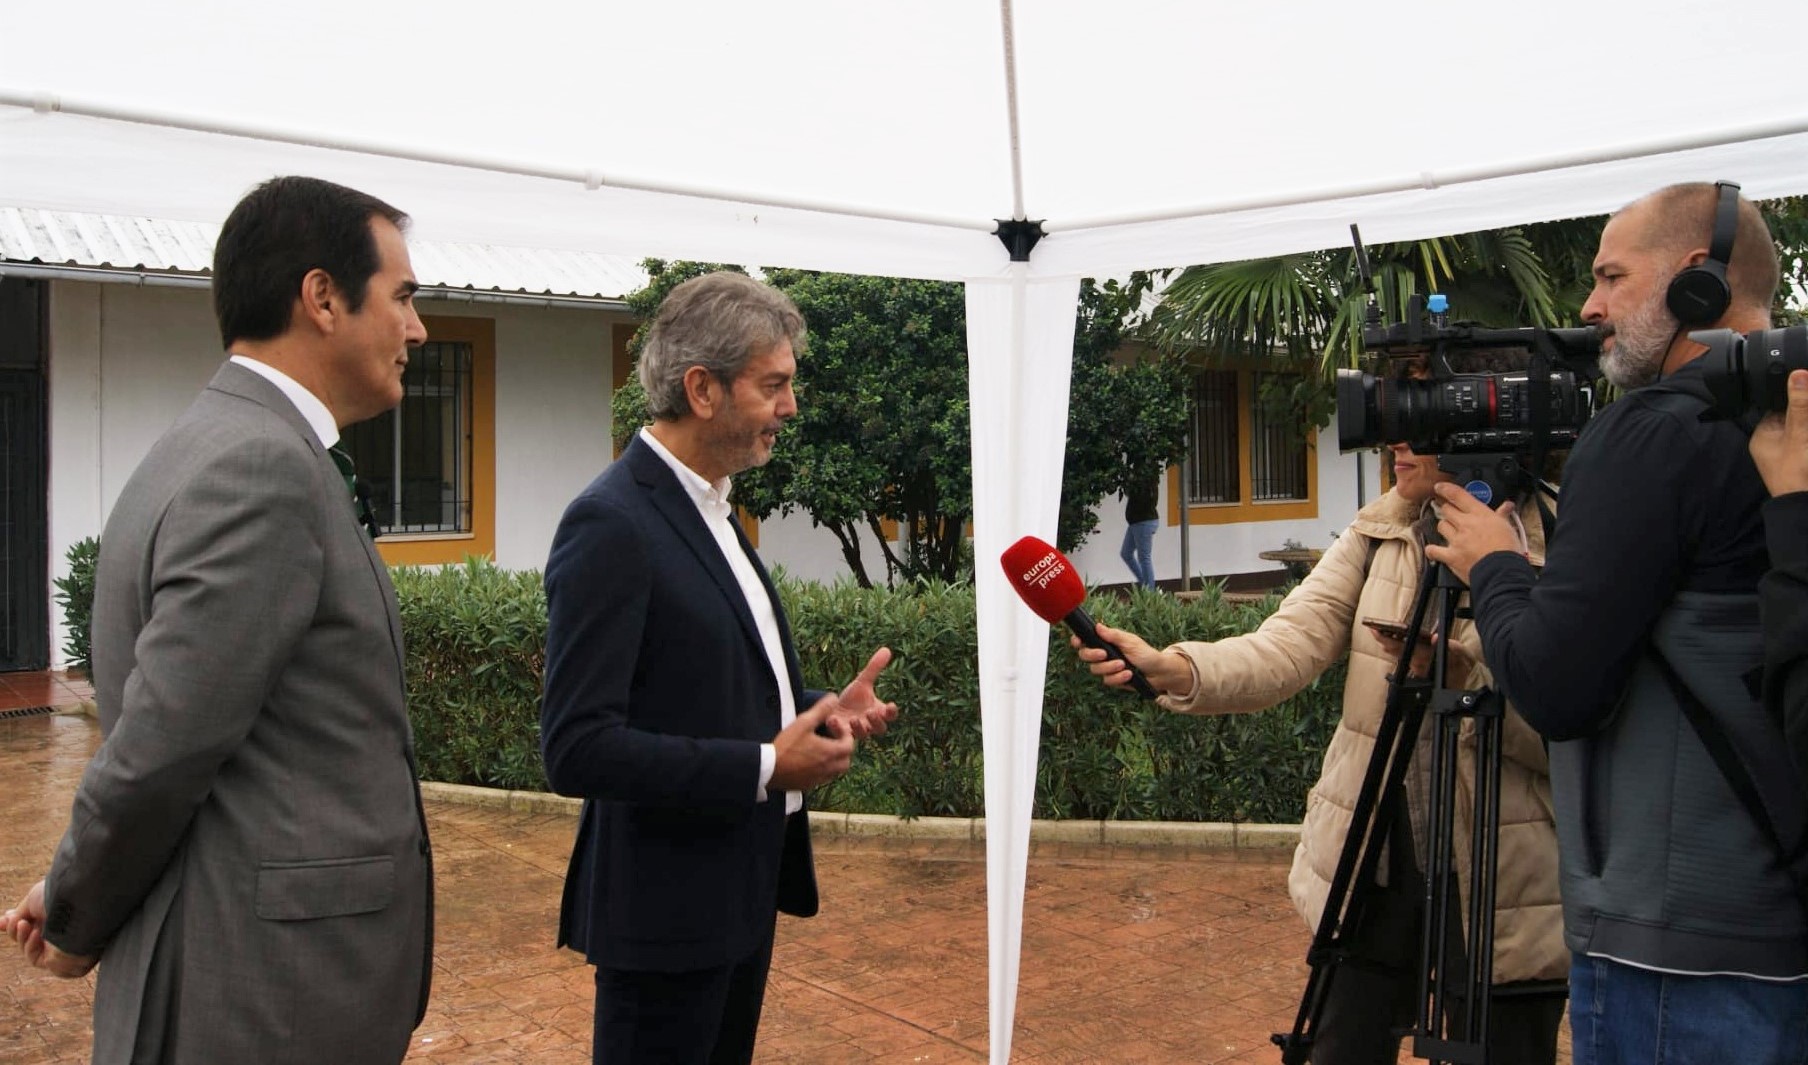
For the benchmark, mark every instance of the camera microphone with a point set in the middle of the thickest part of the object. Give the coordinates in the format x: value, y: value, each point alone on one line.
x: 1051, y: 587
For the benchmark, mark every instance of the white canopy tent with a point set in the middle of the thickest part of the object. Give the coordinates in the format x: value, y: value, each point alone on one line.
x: 887, y: 139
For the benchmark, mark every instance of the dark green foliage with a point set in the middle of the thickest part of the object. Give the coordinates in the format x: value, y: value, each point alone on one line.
x: 1787, y: 217
x: 1111, y: 755
x: 929, y: 763
x: 476, y: 643
x: 75, y: 593
x: 882, y: 426
x: 1103, y: 754
x: 476, y: 635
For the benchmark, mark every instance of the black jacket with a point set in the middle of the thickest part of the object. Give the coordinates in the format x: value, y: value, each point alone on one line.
x: 1783, y: 599
x: 658, y: 696
x: 1659, y: 548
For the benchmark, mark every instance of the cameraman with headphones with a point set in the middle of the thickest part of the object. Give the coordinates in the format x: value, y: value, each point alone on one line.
x: 1631, y: 654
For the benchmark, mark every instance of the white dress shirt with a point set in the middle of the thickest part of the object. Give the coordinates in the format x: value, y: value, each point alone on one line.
x: 318, y: 417
x: 712, y: 503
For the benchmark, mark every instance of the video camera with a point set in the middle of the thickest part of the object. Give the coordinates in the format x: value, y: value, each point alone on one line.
x: 1491, y: 430
x: 1467, y: 412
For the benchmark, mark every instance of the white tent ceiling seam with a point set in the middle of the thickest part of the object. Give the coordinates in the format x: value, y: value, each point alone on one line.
x: 50, y: 158
x: 44, y: 103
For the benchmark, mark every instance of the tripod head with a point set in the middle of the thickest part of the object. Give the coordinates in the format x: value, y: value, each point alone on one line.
x: 1492, y: 477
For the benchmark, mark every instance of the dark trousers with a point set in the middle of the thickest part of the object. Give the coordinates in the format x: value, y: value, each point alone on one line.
x: 1373, y: 997
x: 702, y: 1017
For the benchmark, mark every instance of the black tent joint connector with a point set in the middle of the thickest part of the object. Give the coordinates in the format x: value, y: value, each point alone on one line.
x: 1019, y: 236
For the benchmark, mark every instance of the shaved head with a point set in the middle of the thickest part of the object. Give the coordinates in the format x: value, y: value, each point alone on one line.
x: 1677, y: 220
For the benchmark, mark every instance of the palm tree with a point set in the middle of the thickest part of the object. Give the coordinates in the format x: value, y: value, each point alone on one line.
x: 1308, y: 308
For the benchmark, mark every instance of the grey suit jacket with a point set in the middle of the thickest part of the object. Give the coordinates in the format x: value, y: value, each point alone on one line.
x: 247, y: 849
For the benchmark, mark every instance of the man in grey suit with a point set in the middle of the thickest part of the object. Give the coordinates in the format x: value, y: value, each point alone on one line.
x: 247, y: 858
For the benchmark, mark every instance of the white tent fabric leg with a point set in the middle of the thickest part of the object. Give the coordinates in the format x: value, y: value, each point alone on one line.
x: 1020, y: 355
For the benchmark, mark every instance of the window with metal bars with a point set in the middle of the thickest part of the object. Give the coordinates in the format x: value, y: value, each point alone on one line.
x: 1244, y: 462
x: 416, y: 459
x: 1277, y: 453
x: 1215, y: 474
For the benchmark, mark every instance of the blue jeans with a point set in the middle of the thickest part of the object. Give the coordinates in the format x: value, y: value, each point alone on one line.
x: 1138, y: 551
x: 1624, y: 1014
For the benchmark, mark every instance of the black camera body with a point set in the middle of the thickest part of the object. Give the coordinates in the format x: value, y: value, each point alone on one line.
x: 1748, y: 375
x: 1541, y: 407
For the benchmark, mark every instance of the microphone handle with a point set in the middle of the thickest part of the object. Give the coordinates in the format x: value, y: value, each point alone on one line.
x: 1081, y: 623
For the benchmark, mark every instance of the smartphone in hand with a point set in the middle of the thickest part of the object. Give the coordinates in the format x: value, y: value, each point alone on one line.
x: 1394, y: 629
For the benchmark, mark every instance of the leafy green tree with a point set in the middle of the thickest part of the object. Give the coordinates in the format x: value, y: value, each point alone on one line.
x: 1788, y: 218
x: 1125, y: 420
x: 882, y: 432
x: 882, y: 428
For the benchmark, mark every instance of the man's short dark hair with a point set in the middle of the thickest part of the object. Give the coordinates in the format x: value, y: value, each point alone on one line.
x: 286, y: 227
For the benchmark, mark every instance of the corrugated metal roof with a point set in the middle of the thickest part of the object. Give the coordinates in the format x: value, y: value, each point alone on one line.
x: 67, y: 238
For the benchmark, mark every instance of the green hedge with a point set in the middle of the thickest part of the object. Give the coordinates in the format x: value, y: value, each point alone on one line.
x: 1103, y: 754
x: 476, y: 641
x: 476, y: 637
x: 75, y: 594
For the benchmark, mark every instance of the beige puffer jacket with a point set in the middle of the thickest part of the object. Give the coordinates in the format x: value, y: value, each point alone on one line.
x: 1308, y: 633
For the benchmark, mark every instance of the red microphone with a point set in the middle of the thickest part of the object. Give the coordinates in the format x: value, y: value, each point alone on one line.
x: 1051, y: 587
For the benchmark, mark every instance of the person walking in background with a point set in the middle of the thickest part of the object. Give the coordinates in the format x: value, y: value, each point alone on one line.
x: 1141, y: 518
x: 247, y: 859
x: 673, y: 702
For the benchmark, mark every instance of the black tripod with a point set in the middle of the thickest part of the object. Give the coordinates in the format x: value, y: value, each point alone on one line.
x: 1442, y: 994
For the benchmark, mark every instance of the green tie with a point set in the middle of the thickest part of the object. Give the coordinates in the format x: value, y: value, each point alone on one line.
x: 347, y: 470
x: 360, y: 501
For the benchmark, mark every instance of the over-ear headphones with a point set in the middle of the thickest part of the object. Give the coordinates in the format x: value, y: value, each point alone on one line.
x: 1699, y: 294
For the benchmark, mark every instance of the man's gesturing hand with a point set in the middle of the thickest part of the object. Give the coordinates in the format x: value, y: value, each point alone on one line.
x: 806, y: 759
x: 861, y: 710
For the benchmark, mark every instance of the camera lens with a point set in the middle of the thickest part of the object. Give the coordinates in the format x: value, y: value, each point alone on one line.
x: 1358, y: 421
x: 1749, y: 375
x: 1471, y: 412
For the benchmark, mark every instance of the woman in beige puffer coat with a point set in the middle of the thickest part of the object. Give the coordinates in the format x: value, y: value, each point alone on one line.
x: 1372, y: 571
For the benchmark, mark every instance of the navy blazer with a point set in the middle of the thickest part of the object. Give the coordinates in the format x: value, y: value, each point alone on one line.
x: 658, y: 696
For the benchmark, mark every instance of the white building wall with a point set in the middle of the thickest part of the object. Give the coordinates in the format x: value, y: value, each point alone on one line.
x: 124, y: 362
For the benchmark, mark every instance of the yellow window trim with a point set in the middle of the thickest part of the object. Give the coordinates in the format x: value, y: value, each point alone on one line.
x: 431, y: 549
x: 1247, y: 509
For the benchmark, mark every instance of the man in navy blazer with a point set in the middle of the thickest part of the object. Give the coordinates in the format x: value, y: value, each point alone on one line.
x: 673, y: 702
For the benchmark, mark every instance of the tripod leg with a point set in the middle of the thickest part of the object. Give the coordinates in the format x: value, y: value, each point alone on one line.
x: 1484, y: 866
x: 1439, y: 842
x: 1453, y: 1004
x: 1370, y: 821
